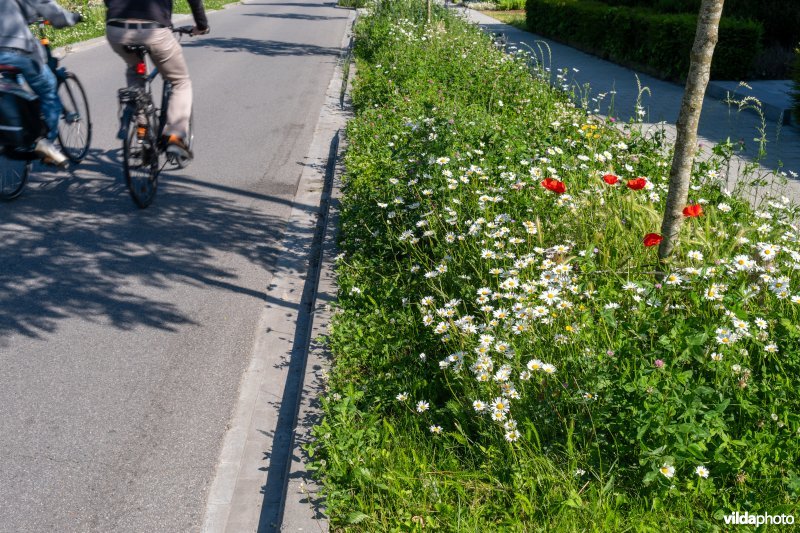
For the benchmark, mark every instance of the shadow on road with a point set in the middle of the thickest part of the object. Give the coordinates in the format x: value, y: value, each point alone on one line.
x: 264, y: 48
x: 76, y: 246
x: 290, y: 4
x: 292, y: 16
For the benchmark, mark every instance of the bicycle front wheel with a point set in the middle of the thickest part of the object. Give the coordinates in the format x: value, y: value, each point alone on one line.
x: 75, y: 125
x: 140, y: 161
x: 13, y: 176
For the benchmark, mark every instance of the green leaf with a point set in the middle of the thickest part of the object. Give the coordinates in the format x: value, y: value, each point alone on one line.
x: 458, y: 437
x: 793, y: 330
x: 721, y: 406
x: 574, y: 500
x: 697, y: 340
x: 356, y: 517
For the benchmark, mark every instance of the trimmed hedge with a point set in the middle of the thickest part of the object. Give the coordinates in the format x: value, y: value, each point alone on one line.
x: 658, y: 43
x: 780, y: 18
x: 796, y: 76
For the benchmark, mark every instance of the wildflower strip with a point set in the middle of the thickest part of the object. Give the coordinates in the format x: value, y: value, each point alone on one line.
x: 500, y: 328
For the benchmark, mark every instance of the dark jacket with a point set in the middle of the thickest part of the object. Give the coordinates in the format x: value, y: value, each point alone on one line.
x: 156, y: 10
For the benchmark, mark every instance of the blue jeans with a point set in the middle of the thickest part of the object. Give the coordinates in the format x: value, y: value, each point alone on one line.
x: 43, y: 82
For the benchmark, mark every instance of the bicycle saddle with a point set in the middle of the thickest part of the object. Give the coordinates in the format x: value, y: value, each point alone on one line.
x: 137, y: 49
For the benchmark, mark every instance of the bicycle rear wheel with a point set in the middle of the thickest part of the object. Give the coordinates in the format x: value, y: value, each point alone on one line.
x: 140, y: 161
x: 13, y: 177
x: 75, y: 125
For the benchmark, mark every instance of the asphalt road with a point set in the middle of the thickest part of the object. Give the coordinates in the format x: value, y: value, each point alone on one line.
x: 124, y: 333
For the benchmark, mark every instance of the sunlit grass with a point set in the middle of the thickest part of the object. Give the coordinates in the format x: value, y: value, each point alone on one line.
x: 512, y: 18
x: 93, y: 24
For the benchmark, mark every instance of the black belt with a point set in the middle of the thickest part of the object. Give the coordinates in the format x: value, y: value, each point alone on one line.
x: 135, y: 25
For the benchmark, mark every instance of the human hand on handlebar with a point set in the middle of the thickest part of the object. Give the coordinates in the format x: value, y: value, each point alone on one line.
x: 198, y: 31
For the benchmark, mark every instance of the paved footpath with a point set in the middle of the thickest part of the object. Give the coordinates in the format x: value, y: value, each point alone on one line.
x: 719, y: 121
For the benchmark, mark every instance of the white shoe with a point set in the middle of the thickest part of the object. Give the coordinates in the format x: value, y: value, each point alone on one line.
x: 50, y: 153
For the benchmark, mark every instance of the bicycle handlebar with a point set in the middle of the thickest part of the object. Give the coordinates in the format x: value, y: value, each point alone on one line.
x: 191, y: 31
x: 45, y: 22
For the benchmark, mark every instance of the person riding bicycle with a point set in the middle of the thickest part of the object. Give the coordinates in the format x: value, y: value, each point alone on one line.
x: 148, y: 23
x: 21, y: 50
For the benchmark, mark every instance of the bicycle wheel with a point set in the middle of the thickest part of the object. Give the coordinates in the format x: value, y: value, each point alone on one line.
x: 75, y: 125
x: 140, y: 162
x: 13, y: 176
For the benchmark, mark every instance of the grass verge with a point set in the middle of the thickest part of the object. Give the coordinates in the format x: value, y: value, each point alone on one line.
x: 94, y: 17
x: 507, y: 357
x: 512, y: 18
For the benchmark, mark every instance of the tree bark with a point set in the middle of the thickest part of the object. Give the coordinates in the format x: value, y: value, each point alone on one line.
x: 686, y: 141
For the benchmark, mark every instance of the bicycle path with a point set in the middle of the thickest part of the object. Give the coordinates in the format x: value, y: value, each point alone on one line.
x: 718, y: 122
x: 125, y: 334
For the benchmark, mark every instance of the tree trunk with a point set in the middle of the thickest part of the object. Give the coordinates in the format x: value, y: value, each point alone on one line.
x: 686, y: 142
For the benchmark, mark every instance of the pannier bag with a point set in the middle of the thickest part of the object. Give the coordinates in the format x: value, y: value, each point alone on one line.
x: 21, y: 122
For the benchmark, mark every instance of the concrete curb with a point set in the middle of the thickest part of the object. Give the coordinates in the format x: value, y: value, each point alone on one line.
x: 249, y: 490
x: 304, y: 508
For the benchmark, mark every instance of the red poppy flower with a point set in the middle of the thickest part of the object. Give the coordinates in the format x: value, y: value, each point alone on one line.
x: 693, y: 210
x: 611, y: 179
x: 554, y: 185
x: 651, y: 239
x: 637, y: 184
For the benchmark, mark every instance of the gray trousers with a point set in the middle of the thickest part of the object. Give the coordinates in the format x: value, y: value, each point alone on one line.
x: 166, y: 53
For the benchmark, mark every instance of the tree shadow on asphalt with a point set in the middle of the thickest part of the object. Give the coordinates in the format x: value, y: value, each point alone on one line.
x: 289, y: 4
x: 74, y: 245
x: 264, y: 48
x: 293, y: 16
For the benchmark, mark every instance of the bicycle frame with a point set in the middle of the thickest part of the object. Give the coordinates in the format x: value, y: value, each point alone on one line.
x: 149, y: 77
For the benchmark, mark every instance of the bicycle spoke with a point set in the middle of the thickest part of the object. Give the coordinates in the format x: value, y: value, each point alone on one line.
x: 74, y: 127
x: 141, y: 164
x: 13, y: 176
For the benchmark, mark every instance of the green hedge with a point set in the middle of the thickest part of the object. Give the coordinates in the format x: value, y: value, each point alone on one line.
x: 796, y: 75
x: 781, y: 18
x: 656, y: 42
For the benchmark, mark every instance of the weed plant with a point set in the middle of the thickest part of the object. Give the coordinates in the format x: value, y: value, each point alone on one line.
x: 507, y: 356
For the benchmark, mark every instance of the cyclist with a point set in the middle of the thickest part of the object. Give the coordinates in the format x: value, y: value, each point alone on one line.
x: 148, y: 23
x: 21, y: 50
